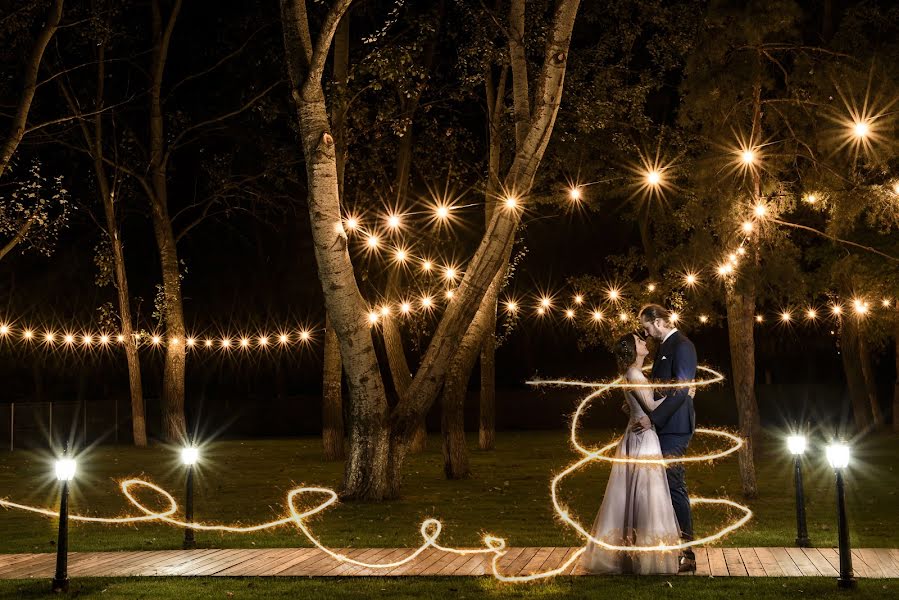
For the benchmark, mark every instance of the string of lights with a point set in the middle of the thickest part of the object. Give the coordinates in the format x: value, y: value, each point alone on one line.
x: 431, y: 528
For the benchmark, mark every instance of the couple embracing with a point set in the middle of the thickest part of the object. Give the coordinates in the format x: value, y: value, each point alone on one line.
x: 647, y: 504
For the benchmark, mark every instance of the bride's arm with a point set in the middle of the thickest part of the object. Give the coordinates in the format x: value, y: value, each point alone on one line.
x: 646, y: 398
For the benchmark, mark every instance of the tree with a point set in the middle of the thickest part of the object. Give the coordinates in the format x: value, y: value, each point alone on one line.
x: 380, y: 437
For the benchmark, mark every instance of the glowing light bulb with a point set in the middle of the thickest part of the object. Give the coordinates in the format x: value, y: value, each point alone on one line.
x: 401, y: 255
x: 569, y: 314
x: 622, y: 316
x: 674, y: 317
x: 574, y: 193
x: 578, y: 299
x: 226, y: 343
x: 511, y: 202
x: 393, y: 221
x: 69, y: 338
x: 450, y: 294
x: 373, y: 241
x: 87, y: 339
x: 811, y: 198
x: 4, y: 329
x: 263, y: 340
x: 748, y: 157
x: 545, y: 302
x: 426, y: 266
x: 284, y: 339
x: 305, y: 335
x: 747, y: 227
x: 541, y: 311
x: 27, y: 334
x: 836, y: 309
x: 760, y: 210
x: 352, y: 223
x: 450, y: 273
x: 812, y: 314
x: 861, y: 307
x: 785, y: 317
x: 373, y: 317
x: 691, y: 279
x: 614, y: 294
x: 796, y: 444
x: 653, y: 178
x: 120, y: 338
x: 244, y: 342
x: 703, y: 319
x: 896, y: 188
x: 597, y: 315
x: 838, y: 455
x: 427, y: 302
x: 405, y: 307
x: 156, y: 339
x: 104, y: 339
x: 191, y: 341
x: 885, y: 303
x: 385, y: 310
x: 442, y: 211
x: 861, y: 129
x: 651, y: 287
x: 732, y: 257
x: 759, y: 319
x: 209, y: 343
x: 190, y: 455
x: 741, y: 251
x: 49, y: 337
x: 511, y: 306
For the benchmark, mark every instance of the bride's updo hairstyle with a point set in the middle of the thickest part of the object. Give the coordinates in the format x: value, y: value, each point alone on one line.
x: 625, y: 351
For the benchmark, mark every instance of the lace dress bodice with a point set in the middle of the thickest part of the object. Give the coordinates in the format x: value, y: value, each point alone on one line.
x: 632, y: 396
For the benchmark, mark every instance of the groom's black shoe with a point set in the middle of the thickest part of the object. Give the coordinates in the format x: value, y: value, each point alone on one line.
x: 687, y: 565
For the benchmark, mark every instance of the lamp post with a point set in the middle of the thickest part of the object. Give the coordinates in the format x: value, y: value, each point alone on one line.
x: 189, y: 456
x: 796, y: 445
x: 65, y: 472
x: 838, y: 457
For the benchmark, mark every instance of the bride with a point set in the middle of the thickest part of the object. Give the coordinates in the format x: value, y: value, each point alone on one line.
x: 636, y: 509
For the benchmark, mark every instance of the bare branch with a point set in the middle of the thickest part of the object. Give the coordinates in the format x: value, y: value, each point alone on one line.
x: 836, y: 239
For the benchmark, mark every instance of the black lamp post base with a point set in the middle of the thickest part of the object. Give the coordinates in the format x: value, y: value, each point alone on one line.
x: 846, y: 583
x: 61, y: 586
x: 803, y: 542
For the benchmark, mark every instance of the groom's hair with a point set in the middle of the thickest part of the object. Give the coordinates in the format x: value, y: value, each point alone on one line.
x: 651, y: 312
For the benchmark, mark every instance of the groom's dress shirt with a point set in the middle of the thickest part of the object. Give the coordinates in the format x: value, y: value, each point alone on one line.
x: 668, y: 335
x: 675, y: 361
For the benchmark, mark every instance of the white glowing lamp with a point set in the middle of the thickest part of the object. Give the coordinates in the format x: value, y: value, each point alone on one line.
x: 442, y: 211
x: 796, y: 444
x: 574, y: 193
x: 511, y: 202
x: 653, y: 178
x: 190, y: 455
x: 748, y: 157
x: 760, y: 210
x: 4, y: 329
x: 838, y: 455
x: 65, y: 469
x: 747, y: 227
x: 861, y: 129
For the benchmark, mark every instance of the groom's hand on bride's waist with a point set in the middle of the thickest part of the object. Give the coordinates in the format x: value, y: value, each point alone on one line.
x: 642, y: 424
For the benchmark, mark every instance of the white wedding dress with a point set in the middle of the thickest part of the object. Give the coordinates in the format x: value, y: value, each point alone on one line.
x: 636, y: 509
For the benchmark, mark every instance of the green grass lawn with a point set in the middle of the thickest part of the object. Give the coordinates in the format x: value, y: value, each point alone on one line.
x: 632, y: 588
x: 508, y: 495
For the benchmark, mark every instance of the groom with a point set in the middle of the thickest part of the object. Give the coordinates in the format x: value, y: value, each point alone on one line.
x: 674, y: 419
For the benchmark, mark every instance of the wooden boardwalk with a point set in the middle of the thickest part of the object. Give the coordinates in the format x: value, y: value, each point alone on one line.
x: 292, y: 562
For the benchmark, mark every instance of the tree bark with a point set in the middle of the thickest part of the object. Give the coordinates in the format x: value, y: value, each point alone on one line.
x: 332, y: 405
x: 174, y: 422
x: 864, y: 359
x: 332, y: 384
x: 740, y: 328
x: 896, y: 383
x: 32, y: 67
x: 855, y: 379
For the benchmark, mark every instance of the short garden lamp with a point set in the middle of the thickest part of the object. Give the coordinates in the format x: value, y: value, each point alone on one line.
x: 838, y: 457
x: 65, y: 472
x: 189, y: 456
x: 796, y: 445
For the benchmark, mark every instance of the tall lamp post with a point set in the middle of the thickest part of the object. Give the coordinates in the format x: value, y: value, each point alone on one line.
x: 65, y: 472
x: 189, y: 456
x: 796, y: 445
x: 838, y: 457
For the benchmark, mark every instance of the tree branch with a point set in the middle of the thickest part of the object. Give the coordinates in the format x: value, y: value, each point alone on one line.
x: 836, y: 239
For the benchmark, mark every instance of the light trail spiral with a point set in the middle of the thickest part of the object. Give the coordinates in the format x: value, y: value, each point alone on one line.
x: 431, y: 528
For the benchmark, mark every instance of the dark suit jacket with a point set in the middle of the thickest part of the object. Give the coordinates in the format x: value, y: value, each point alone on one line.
x: 675, y: 361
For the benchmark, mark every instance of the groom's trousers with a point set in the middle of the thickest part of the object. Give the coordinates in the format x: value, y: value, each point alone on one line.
x: 675, y: 445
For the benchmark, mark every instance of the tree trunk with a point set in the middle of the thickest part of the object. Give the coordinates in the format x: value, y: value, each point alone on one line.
x: 29, y: 86
x: 864, y: 358
x: 896, y: 383
x: 855, y: 379
x: 332, y: 383
x: 174, y: 423
x: 487, y: 421
x: 332, y: 405
x: 740, y: 327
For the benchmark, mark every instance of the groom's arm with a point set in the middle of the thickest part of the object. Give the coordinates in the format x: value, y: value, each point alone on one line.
x: 684, y: 370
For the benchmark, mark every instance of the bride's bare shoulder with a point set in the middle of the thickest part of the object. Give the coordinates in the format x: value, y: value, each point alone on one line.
x: 635, y: 374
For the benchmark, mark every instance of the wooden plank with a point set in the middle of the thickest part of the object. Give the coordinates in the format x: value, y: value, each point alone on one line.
x: 92, y: 564
x: 40, y: 564
x: 372, y: 557
x: 769, y: 562
x: 20, y: 560
x: 8, y: 560
x: 702, y: 562
x: 339, y: 566
x: 180, y: 562
x: 717, y: 564
x: 735, y: 565
x: 786, y: 563
x: 207, y: 565
x: 871, y: 561
x: 882, y: 555
x: 147, y: 559
x: 576, y: 563
x: 298, y: 556
x: 536, y: 563
x: 751, y: 562
x: 317, y: 563
x: 821, y: 563
x: 859, y: 567
x: 555, y: 559
x: 401, y: 569
x: 255, y: 563
x: 527, y: 554
x: 508, y: 558
x: 423, y: 563
x: 474, y: 566
x: 392, y: 555
x: 806, y: 567
x: 453, y: 565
